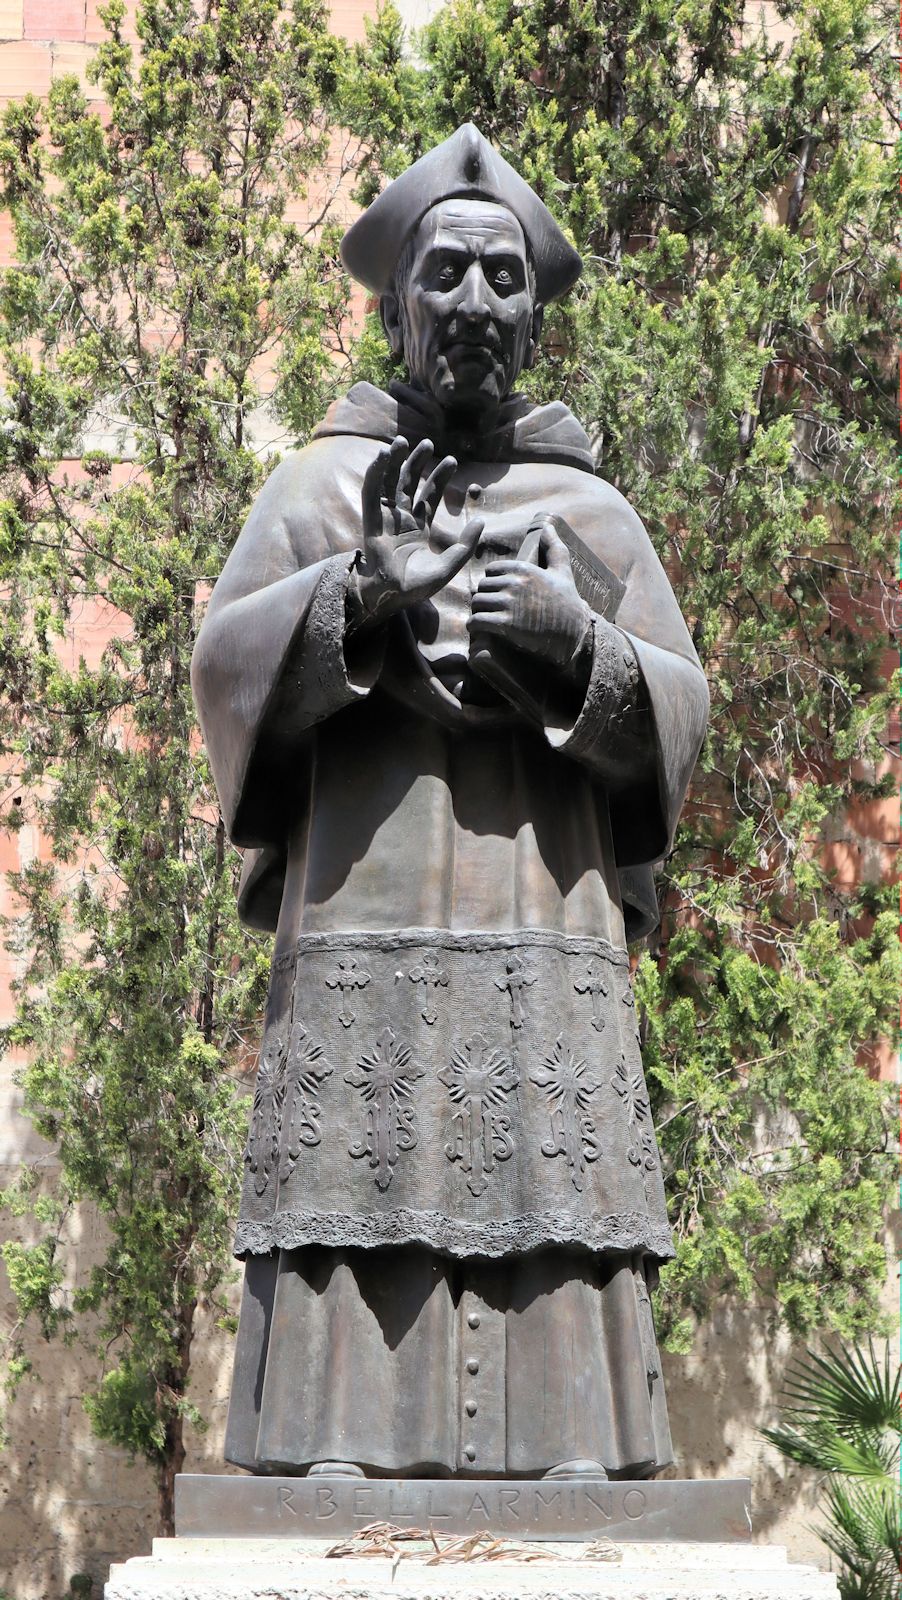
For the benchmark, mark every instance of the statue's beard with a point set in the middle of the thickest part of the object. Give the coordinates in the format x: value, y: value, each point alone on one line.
x: 465, y: 385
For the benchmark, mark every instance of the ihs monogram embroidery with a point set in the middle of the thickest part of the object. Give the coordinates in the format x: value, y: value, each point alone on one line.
x: 592, y: 982
x: 305, y: 1070
x: 518, y: 976
x: 347, y: 978
x: 286, y: 1112
x: 385, y: 1076
x: 631, y: 1088
x: 262, y: 1148
x: 479, y: 1079
x: 569, y: 1084
x: 429, y: 972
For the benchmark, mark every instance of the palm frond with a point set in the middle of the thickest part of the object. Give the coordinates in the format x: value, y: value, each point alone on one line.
x: 873, y: 1582
x: 867, y: 1516
x: 841, y: 1414
x: 807, y: 1448
x: 849, y: 1389
x: 870, y: 1455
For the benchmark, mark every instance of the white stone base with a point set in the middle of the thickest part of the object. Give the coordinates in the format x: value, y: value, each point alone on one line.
x: 282, y: 1569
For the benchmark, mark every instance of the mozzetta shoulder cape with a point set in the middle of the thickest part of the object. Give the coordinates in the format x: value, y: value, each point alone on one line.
x: 450, y: 1055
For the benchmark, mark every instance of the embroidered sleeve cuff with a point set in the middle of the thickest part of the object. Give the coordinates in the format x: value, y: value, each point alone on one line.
x: 612, y: 690
x: 337, y: 673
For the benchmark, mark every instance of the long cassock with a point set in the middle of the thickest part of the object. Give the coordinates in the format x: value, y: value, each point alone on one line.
x: 453, y: 1206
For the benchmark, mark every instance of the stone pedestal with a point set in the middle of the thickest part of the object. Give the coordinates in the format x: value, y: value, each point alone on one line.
x: 288, y: 1569
x: 270, y: 1539
x: 214, y: 1505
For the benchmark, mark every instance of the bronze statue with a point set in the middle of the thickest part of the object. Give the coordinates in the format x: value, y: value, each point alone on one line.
x: 452, y: 709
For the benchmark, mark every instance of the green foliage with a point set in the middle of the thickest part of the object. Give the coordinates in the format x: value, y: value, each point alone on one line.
x: 841, y: 1415
x: 729, y: 352
x: 160, y: 277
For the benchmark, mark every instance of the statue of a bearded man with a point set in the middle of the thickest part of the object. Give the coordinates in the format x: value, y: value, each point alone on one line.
x: 452, y: 709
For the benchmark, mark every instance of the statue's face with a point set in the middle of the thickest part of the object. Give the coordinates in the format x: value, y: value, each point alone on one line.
x: 468, y: 323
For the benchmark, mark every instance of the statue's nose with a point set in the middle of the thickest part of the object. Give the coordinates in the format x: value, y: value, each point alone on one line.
x: 473, y: 302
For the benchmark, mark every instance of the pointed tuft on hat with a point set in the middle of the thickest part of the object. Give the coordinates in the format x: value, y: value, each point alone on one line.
x: 462, y: 167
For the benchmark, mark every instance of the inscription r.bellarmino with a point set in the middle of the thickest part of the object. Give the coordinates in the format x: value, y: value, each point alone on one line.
x: 563, y: 1510
x: 580, y: 1505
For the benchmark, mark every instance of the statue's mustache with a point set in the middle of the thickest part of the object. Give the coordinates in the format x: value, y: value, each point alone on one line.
x: 487, y: 340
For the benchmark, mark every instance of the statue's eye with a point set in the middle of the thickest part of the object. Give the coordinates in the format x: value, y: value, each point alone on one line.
x: 503, y: 278
x: 447, y: 274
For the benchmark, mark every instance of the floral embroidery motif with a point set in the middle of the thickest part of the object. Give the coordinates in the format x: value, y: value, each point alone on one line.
x: 478, y: 1080
x: 385, y: 1077
x: 286, y: 1112
x: 569, y: 1084
x: 518, y: 976
x: 592, y: 982
x: 305, y: 1070
x: 429, y: 973
x: 262, y: 1148
x: 347, y: 977
x: 631, y: 1088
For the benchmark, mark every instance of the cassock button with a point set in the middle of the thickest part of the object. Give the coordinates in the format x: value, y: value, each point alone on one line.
x: 472, y: 1365
x: 470, y: 1453
x: 470, y: 1408
x: 473, y: 1319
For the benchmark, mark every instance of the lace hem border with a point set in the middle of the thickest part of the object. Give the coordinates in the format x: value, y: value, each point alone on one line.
x: 444, y: 939
x: 515, y: 1236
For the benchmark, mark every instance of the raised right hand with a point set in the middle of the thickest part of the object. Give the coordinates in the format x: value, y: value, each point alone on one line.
x: 403, y: 561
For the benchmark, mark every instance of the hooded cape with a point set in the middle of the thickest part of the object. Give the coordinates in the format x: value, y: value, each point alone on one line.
x: 524, y: 433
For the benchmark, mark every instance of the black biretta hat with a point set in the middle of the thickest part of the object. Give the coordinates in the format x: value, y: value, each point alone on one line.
x: 463, y: 167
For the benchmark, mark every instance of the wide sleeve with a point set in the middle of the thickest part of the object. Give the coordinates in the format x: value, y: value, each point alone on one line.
x: 642, y: 721
x: 270, y: 659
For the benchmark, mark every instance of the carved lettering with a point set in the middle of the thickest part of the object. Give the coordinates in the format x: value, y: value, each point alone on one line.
x: 604, y: 1506
x: 508, y: 1501
x: 432, y: 1515
x: 477, y: 1501
x: 325, y: 1503
x: 362, y: 1507
x: 638, y: 1501
x: 394, y: 1513
x: 554, y: 1495
x: 286, y: 1501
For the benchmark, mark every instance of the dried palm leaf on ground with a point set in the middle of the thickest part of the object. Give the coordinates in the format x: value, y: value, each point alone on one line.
x: 384, y: 1539
x: 485, y: 1546
x: 378, y: 1539
x: 601, y: 1550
